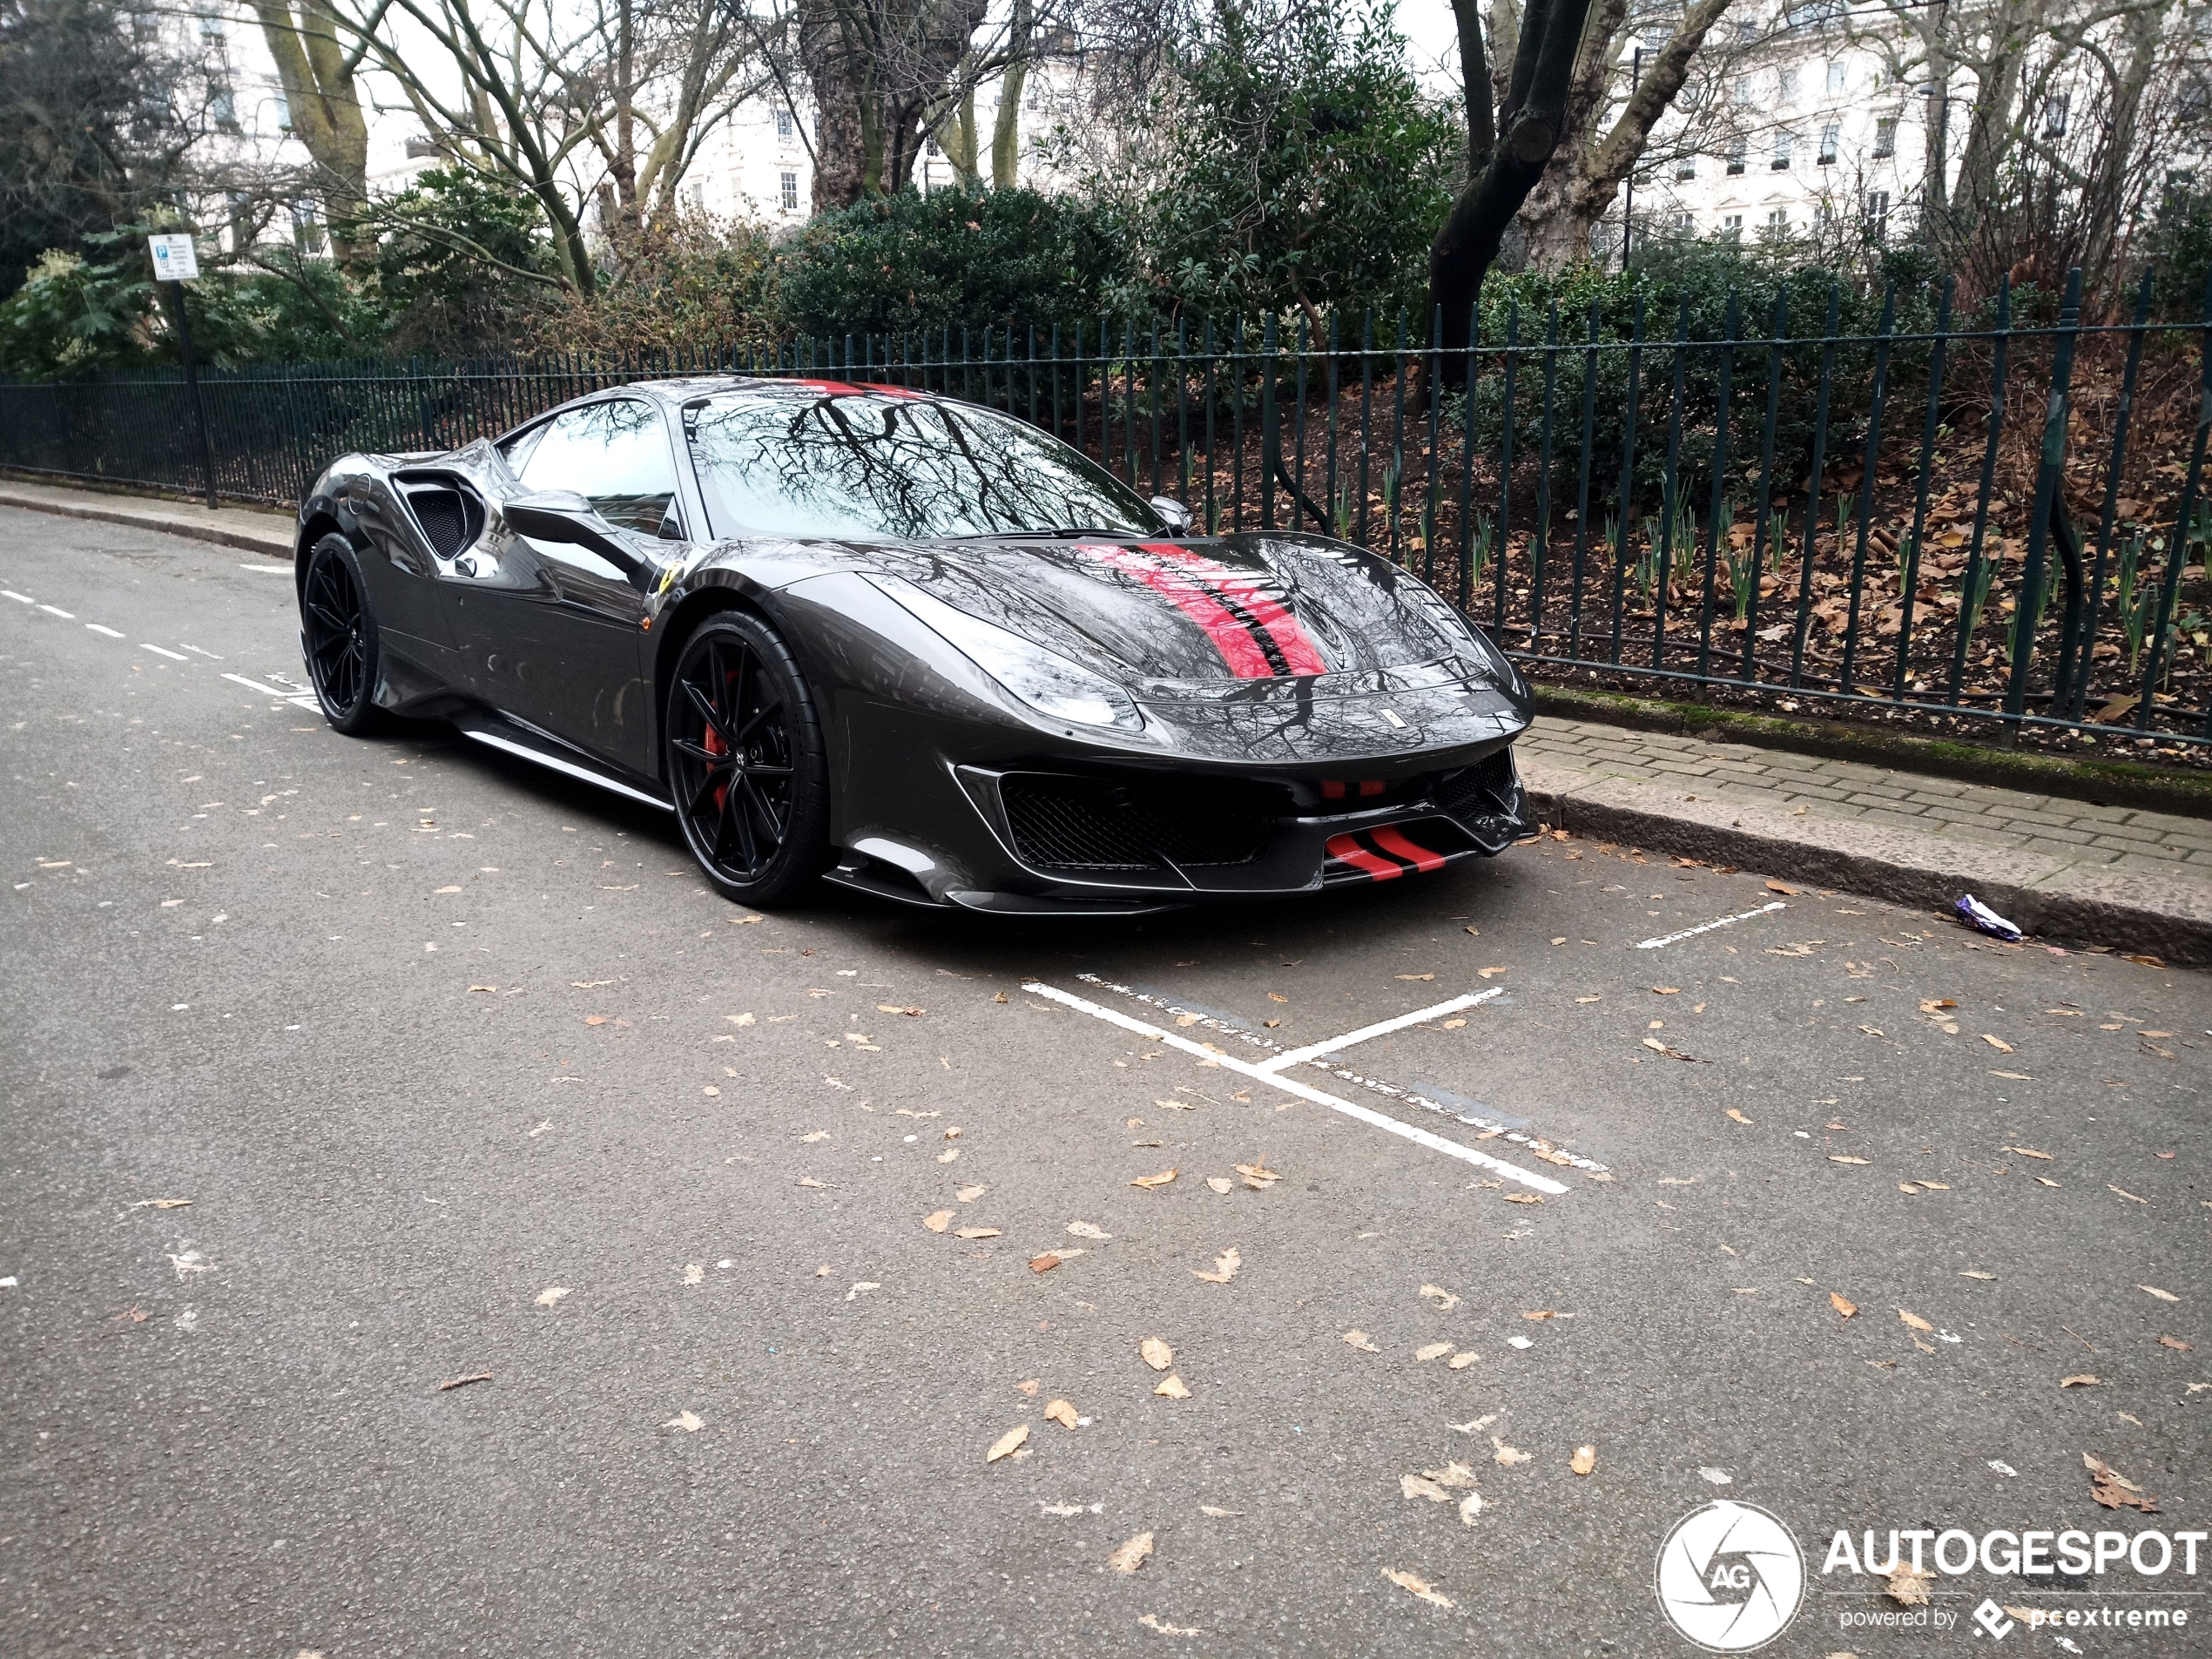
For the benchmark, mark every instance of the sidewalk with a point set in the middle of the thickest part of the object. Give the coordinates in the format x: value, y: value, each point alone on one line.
x: 240, y: 527
x: 2123, y: 877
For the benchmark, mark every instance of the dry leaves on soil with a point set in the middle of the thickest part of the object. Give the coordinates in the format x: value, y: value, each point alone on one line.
x: 2114, y: 1490
x: 1257, y: 1175
x: 1172, y: 1387
x: 1908, y: 1586
x: 1844, y: 1307
x: 2084, y: 1381
x: 1445, y: 1300
x: 1433, y: 1350
x: 1061, y: 1412
x: 1914, y: 1321
x: 1150, y: 1183
x: 1360, y: 1340
x: 1006, y: 1445
x: 1508, y: 1456
x: 1155, y: 1353
x: 939, y: 1220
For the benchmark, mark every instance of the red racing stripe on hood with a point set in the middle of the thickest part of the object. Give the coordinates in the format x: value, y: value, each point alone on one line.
x: 1245, y: 591
x: 1232, y: 638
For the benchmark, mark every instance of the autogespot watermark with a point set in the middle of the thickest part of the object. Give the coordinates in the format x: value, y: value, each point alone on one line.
x: 1730, y: 1577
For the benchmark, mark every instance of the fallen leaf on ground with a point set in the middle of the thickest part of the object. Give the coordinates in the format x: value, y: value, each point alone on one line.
x: 969, y: 1195
x: 1153, y: 1621
x: 937, y: 1221
x: 1739, y: 1117
x: 1004, y: 1446
x: 1224, y: 1267
x: 1257, y: 1175
x: 2029, y: 1152
x: 1522, y: 1197
x: 1972, y: 1273
x: 1461, y: 1361
x: 2085, y: 1380
x: 551, y: 1294
x: 1414, y: 1486
x: 688, y: 1421
x: 1415, y: 1585
x: 1045, y: 1263
x: 483, y: 988
x: 1219, y: 1183
x: 163, y: 1203
x: 1841, y: 1305
x: 1027, y: 1386
x: 1454, y: 1475
x: 1150, y: 1181
x: 1418, y: 976
x: 1131, y: 1555
x: 1786, y: 891
x: 1997, y: 1043
x: 1539, y: 1313
x: 1475, y: 1427
x: 1176, y: 1105
x: 1470, y: 1507
x: 1172, y: 1387
x: 1487, y: 973
x: 1360, y: 1340
x: 1155, y: 1353
x: 1840, y: 1157
x: 2114, y: 1490
x: 1584, y: 1460
x: 1508, y: 1456
x: 1219, y: 1513
x: 977, y: 1232
x: 462, y: 1382
x: 2124, y: 1193
x: 949, y: 1155
x: 1908, y: 1586
x: 1433, y: 1350
x: 1914, y: 1321
x: 694, y: 1272
x: 809, y: 1181
x: 859, y: 1288
x: 1061, y: 1412
x: 1445, y: 1300
x: 2175, y: 1343
x: 2163, y: 1296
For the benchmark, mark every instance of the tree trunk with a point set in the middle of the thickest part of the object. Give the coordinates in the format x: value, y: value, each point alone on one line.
x: 877, y: 70
x: 320, y: 89
x: 1543, y: 66
x: 1006, y: 127
x: 957, y: 140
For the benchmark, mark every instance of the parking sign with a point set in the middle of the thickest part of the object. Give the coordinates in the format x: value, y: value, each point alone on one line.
x: 175, y: 259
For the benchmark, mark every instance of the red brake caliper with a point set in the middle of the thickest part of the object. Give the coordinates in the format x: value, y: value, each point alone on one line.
x: 714, y: 745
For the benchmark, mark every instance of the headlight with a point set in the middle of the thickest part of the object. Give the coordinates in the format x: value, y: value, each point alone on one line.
x: 1045, y: 680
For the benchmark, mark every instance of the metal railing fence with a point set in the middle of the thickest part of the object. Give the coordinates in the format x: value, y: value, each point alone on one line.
x: 1977, y: 519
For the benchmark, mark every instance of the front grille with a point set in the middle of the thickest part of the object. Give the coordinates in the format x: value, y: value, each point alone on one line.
x: 1479, y: 791
x: 1062, y: 823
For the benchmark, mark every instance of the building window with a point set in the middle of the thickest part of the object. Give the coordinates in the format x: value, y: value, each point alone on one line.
x: 2055, y: 116
x: 1885, y: 138
x: 786, y: 126
x: 1686, y: 167
x: 1732, y: 226
x: 1787, y: 87
x: 1685, y: 223
x: 222, y: 107
x: 1777, y: 222
x: 422, y: 149
x: 1877, y: 214
x: 1785, y: 145
x: 283, y: 109
x: 788, y: 185
x: 307, y: 228
x: 1745, y: 94
x: 1829, y: 136
x: 1838, y: 78
x: 1737, y: 152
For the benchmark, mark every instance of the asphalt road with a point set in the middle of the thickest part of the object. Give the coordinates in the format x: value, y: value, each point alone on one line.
x: 463, y: 1073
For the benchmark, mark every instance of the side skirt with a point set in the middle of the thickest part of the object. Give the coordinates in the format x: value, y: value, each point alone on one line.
x: 511, y: 738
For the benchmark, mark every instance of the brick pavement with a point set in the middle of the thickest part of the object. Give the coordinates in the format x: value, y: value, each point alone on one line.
x: 2078, y: 834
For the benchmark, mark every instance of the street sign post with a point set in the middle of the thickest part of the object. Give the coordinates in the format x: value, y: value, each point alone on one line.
x: 176, y: 260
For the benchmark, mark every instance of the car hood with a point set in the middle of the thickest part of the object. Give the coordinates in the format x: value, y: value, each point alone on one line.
x: 1237, y: 618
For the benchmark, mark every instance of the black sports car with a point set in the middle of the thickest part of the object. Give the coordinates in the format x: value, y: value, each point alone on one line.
x: 913, y: 645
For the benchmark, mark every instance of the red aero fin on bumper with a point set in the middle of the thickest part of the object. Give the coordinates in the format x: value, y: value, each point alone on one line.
x: 1348, y: 849
x: 1394, y: 841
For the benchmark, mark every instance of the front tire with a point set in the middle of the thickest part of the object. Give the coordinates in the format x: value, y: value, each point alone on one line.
x: 746, y: 763
x: 338, y: 637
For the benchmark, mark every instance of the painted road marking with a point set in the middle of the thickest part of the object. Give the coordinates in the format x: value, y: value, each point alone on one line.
x: 256, y: 686
x: 96, y: 628
x: 1382, y: 1028
x: 1513, y: 1129
x: 274, y: 569
x: 20, y: 598
x: 207, y: 654
x: 1365, y: 1114
x: 163, y: 651
x: 1708, y: 927
x: 55, y: 610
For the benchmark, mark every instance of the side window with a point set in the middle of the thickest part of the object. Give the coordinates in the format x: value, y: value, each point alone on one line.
x: 616, y: 454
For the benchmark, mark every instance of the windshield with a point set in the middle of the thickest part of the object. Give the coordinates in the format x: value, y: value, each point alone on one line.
x: 871, y: 465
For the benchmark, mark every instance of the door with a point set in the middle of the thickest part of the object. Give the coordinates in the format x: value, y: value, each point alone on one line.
x: 552, y: 629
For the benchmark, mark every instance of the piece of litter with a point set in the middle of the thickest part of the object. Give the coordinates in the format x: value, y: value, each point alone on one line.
x: 1718, y: 1477
x: 688, y: 1421
x: 1412, y: 1584
x: 1980, y: 917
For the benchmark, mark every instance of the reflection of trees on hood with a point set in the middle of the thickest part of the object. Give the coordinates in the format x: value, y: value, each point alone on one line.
x: 843, y: 465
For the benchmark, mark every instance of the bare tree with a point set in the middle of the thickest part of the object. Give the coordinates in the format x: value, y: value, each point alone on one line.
x: 318, y: 70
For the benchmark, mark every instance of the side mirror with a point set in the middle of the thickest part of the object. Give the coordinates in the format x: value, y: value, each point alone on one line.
x: 1177, y: 516
x: 564, y: 516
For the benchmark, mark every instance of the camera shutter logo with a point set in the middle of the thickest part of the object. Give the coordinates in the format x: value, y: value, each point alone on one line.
x: 1730, y: 1577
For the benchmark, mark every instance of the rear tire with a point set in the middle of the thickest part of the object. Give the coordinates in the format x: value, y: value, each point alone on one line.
x: 745, y: 762
x: 338, y: 638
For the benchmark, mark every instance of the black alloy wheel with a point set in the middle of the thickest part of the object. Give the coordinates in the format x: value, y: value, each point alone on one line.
x: 339, y: 636
x: 746, y: 764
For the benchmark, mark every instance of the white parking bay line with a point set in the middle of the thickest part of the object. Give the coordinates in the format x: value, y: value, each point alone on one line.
x: 110, y: 632
x: 1381, y: 1028
x: 1708, y: 927
x: 163, y: 651
x: 274, y: 569
x: 1365, y: 1114
x: 20, y: 598
x: 256, y: 686
x: 55, y: 610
